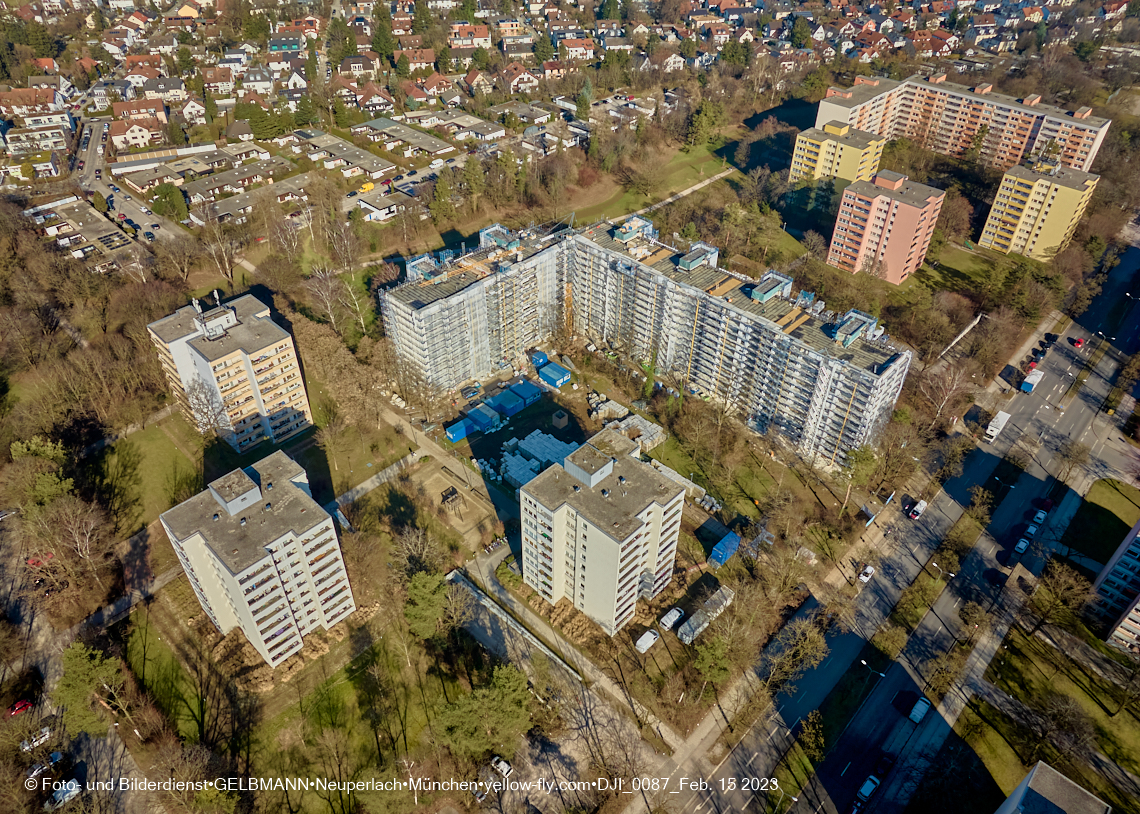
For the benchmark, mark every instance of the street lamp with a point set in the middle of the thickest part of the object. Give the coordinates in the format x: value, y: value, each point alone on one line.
x: 1003, y: 483
x: 872, y: 672
x: 1102, y: 336
x: 781, y: 800
x: 941, y: 572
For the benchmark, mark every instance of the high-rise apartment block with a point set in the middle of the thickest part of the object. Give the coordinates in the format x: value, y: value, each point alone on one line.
x: 263, y: 556
x: 782, y: 361
x: 884, y: 226
x: 957, y: 120
x: 1037, y: 209
x: 1117, y: 590
x: 837, y: 150
x: 233, y: 370
x: 600, y: 530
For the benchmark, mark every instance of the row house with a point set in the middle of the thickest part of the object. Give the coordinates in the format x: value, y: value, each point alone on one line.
x: 290, y: 44
x: 140, y: 109
x: 133, y: 61
x: 236, y: 180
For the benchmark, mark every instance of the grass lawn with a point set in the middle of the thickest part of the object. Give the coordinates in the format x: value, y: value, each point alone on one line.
x: 1109, y: 510
x: 1029, y: 670
x: 142, y: 469
x: 793, y: 773
x: 155, y: 665
x: 680, y: 172
x: 958, y: 269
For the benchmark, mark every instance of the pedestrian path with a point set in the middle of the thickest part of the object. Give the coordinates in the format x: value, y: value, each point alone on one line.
x: 677, y: 196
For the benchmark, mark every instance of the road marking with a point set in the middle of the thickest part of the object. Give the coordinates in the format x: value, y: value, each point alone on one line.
x: 845, y: 768
x: 939, y: 629
x: 956, y: 601
x: 749, y: 763
x: 773, y: 734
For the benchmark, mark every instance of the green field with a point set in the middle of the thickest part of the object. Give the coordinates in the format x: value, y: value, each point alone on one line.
x: 1109, y: 510
x: 958, y: 269
x: 682, y: 171
x: 156, y: 667
x: 140, y: 470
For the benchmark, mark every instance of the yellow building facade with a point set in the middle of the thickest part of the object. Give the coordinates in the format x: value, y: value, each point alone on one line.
x: 1037, y: 209
x: 836, y: 150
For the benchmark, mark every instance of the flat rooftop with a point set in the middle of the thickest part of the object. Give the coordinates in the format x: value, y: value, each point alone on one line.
x: 910, y: 192
x: 734, y: 294
x: 613, y: 504
x: 254, y: 331
x: 277, y: 511
x: 1060, y: 175
x: 863, y: 93
x: 859, y: 139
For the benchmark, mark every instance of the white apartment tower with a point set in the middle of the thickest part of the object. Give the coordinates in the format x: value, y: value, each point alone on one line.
x: 263, y: 556
x: 232, y: 368
x: 600, y: 530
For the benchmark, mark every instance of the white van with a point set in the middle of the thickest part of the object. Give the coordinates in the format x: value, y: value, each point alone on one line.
x: 647, y: 640
x: 435, y: 165
x: 921, y: 707
x: 916, y: 510
x: 670, y: 620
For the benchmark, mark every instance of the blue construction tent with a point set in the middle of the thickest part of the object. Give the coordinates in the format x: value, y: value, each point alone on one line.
x: 505, y: 403
x: 528, y: 392
x: 554, y: 374
x: 484, y: 418
x: 724, y: 550
x: 459, y: 430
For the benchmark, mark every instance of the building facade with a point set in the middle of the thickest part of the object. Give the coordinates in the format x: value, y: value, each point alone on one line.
x: 600, y: 530
x: 836, y: 150
x: 960, y: 121
x: 826, y: 381
x: 1117, y: 590
x: 234, y: 370
x: 1037, y: 209
x: 263, y: 556
x: 884, y: 226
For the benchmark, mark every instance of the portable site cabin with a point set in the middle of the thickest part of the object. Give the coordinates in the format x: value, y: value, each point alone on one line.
x: 528, y: 392
x: 459, y: 430
x: 484, y: 418
x: 505, y: 403
x: 554, y: 374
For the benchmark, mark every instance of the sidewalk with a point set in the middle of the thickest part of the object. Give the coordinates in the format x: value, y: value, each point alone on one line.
x: 678, y: 195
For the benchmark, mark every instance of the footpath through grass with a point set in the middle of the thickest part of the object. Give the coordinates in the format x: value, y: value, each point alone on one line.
x: 1108, y: 511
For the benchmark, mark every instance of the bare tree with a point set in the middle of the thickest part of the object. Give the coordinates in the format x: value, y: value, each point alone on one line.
x: 326, y: 289
x: 1060, y: 592
x: 1062, y: 721
x: 1073, y: 455
x: 941, y: 388
x: 358, y: 304
x: 344, y: 245
x: 220, y: 242
x: 84, y: 527
x: 458, y: 607
x: 419, y: 550
x: 816, y: 244
x: 139, y: 264
x: 331, y: 438
x: 207, y: 407
x: 180, y: 255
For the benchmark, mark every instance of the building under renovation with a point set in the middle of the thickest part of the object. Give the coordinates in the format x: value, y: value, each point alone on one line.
x: 827, y: 381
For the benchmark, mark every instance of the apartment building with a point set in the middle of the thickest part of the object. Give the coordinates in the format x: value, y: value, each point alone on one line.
x: 1117, y: 590
x: 836, y: 150
x: 600, y: 530
x: 1045, y: 789
x: 958, y: 120
x: 262, y: 556
x: 884, y: 226
x: 826, y: 381
x: 233, y: 370
x: 1037, y: 209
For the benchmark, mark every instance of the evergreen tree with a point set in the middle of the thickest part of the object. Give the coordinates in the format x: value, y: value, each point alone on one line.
x: 441, y: 208
x: 543, y: 48
x: 340, y: 114
x: 383, y: 42
x: 210, y: 105
x: 582, y: 107
x: 473, y: 181
x: 87, y: 674
x: 427, y: 596
x: 611, y: 10
x: 184, y: 60
x: 489, y: 719
x: 174, y: 132
x: 305, y: 114
x: 169, y: 202
x: 444, y: 62
x: 403, y: 67
x: 421, y: 21
x: 99, y: 202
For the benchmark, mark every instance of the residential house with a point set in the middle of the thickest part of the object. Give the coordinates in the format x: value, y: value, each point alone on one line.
x: 436, y: 85
x: 140, y: 109
x: 259, y: 81
x: 21, y: 102
x: 135, y: 133
x: 477, y: 82
x: 287, y: 44
x: 463, y: 35
x: 169, y: 89
x: 419, y: 59
x: 578, y: 50
x: 374, y: 99
x: 219, y: 81
x: 193, y: 112
x: 517, y: 79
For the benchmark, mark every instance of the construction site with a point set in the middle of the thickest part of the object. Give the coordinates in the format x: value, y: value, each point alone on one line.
x: 778, y: 358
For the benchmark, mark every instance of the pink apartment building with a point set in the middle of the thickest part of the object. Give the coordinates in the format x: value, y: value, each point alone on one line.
x: 884, y: 226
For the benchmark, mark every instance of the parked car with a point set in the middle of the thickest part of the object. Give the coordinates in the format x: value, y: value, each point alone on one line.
x: 39, y: 739
x: 1039, y: 518
x: 19, y: 707
x: 867, y: 573
x: 1030, y: 530
x: 884, y: 766
x: 501, y: 766
x: 1079, y: 342
x: 921, y: 707
x: 647, y: 640
x: 869, y: 787
x: 41, y: 768
x: 145, y: 211
x: 670, y: 619
x: 63, y: 795
x: 1046, y: 504
x: 1022, y: 546
x: 149, y: 236
x: 916, y: 510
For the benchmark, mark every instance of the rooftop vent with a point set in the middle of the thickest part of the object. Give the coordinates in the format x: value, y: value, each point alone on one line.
x: 235, y: 551
x: 269, y: 486
x: 577, y: 488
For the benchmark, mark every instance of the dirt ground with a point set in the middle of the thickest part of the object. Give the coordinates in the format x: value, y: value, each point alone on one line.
x: 472, y: 513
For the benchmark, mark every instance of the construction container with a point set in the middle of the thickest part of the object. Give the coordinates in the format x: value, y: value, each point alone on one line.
x: 724, y: 550
x: 459, y: 430
x: 484, y: 418
x: 505, y: 403
x: 529, y: 393
x: 554, y: 374
x: 539, y: 358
